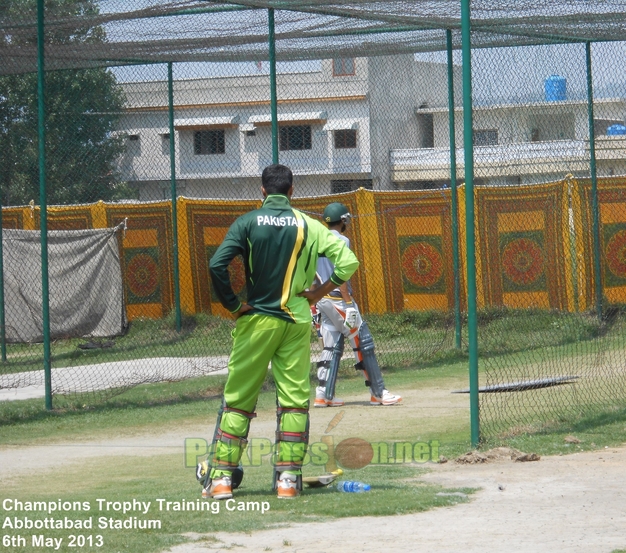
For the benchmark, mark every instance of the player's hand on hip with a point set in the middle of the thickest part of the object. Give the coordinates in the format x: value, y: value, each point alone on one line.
x: 243, y: 309
x: 310, y: 295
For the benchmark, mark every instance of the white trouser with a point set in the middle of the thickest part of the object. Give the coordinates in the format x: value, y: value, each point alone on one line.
x: 333, y: 313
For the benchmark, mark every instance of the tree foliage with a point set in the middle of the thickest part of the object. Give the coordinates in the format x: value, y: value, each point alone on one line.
x: 82, y: 107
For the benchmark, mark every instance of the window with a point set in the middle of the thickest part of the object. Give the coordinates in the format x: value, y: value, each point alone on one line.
x: 427, y: 127
x: 600, y: 126
x: 420, y: 184
x: 343, y: 67
x: 208, y: 142
x: 339, y: 186
x: 165, y: 144
x: 545, y: 127
x: 345, y: 138
x: 296, y: 137
x: 133, y: 148
x: 485, y: 137
x: 534, y: 135
x: 514, y: 179
x: 166, y: 189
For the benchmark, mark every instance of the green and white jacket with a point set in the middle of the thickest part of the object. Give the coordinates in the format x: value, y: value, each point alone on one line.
x: 280, y: 247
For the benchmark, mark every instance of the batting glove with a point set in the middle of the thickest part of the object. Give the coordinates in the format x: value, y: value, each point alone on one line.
x: 351, y: 316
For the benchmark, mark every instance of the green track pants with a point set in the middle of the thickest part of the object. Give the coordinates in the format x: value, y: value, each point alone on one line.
x: 257, y: 341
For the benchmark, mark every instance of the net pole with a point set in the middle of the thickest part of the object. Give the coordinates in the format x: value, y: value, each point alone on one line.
x: 453, y: 195
x: 594, y: 185
x: 170, y: 103
x: 468, y: 141
x: 3, y: 342
x: 43, y: 210
x: 273, y: 95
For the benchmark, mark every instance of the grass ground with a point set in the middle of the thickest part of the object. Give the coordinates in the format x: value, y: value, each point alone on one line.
x: 406, y: 339
x: 128, y: 479
x: 187, y: 408
x: 152, y: 412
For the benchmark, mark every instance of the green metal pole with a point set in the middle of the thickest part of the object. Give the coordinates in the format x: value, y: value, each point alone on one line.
x: 595, y: 206
x: 273, y: 96
x: 468, y: 140
x: 454, y: 196
x: 3, y: 342
x: 43, y: 211
x: 170, y: 101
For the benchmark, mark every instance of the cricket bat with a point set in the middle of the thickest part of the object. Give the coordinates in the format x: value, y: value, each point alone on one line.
x: 322, y: 480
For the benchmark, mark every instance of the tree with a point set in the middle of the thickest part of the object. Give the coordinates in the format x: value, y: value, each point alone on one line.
x: 82, y: 108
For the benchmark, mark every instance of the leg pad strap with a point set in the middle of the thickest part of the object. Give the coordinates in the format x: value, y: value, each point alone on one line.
x: 240, y: 412
x: 282, y: 466
x: 224, y: 465
x: 229, y: 445
x: 231, y: 440
x: 284, y: 436
x: 301, y: 437
x: 292, y: 436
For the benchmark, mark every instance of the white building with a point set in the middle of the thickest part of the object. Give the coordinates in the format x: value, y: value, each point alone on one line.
x: 518, y: 144
x: 336, y: 127
x: 380, y: 123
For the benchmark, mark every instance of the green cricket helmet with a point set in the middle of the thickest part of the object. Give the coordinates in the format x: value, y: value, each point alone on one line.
x: 336, y: 212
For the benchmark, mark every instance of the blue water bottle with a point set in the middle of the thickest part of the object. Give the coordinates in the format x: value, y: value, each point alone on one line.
x: 350, y: 486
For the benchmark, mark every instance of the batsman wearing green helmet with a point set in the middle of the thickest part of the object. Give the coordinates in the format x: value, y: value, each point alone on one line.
x: 341, y: 319
x: 280, y: 247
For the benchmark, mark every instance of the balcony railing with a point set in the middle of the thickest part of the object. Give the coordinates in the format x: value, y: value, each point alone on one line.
x: 146, y: 168
x: 530, y: 158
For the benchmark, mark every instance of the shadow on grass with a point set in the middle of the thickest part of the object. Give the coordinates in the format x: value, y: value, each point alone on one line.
x: 586, y: 423
x: 596, y: 420
x: 443, y: 358
x: 140, y: 397
x: 31, y: 410
x: 591, y: 431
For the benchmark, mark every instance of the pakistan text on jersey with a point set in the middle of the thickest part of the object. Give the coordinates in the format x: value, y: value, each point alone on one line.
x: 276, y: 221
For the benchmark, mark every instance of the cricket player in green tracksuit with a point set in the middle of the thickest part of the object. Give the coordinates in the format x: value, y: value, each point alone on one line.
x: 280, y: 247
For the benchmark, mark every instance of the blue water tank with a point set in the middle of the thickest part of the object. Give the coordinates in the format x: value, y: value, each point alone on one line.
x: 556, y: 88
x: 615, y: 130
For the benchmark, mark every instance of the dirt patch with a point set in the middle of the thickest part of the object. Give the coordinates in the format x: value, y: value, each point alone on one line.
x: 495, y: 455
x: 570, y: 503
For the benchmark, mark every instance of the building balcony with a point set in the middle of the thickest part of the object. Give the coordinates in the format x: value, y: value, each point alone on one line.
x: 508, y: 160
x: 248, y: 166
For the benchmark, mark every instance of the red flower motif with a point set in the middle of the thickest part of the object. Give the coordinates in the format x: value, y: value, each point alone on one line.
x: 523, y: 261
x: 422, y: 264
x: 616, y: 254
x: 142, y: 275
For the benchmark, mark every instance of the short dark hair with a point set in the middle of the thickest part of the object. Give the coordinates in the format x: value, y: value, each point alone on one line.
x: 277, y: 179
